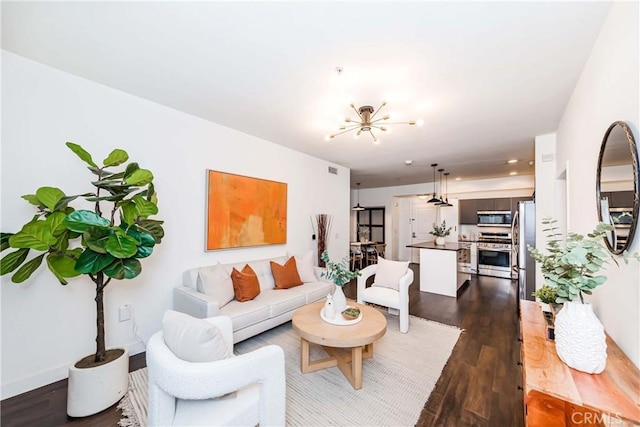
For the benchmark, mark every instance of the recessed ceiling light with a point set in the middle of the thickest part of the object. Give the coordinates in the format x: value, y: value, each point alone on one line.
x: 512, y: 161
x: 458, y: 179
x: 513, y: 173
x: 408, y: 162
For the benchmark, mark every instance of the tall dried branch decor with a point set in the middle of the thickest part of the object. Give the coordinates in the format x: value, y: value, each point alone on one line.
x: 324, y: 228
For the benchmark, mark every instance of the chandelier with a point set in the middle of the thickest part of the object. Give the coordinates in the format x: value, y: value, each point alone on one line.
x: 367, y: 122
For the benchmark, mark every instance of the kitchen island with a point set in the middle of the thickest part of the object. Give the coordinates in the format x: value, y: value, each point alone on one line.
x: 439, y: 272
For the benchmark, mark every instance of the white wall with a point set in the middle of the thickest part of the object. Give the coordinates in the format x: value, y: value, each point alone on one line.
x: 46, y: 326
x: 387, y: 197
x: 606, y: 91
x: 545, y: 155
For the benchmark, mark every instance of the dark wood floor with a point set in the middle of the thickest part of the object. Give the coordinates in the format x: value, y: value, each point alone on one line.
x: 480, y: 383
x: 478, y: 387
x: 47, y: 406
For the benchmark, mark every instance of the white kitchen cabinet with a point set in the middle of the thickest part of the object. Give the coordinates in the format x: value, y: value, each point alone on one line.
x: 439, y: 272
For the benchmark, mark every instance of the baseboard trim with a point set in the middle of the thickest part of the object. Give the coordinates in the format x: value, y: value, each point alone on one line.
x: 49, y: 376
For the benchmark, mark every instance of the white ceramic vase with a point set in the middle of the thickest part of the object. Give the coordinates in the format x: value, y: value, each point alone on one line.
x: 339, y: 300
x: 440, y: 240
x: 580, y: 339
x: 92, y: 390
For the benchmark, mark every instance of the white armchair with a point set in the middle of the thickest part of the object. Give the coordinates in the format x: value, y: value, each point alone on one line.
x: 240, y: 390
x: 397, y: 301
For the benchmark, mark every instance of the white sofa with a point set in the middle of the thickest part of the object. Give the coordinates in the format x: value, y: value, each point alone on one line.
x: 270, y: 308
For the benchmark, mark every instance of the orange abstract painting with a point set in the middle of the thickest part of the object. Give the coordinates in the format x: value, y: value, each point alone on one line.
x: 244, y: 211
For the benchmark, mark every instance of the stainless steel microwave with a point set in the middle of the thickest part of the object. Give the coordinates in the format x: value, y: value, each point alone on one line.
x: 494, y: 218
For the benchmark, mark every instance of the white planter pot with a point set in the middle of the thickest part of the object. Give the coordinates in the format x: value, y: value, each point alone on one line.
x: 440, y: 240
x: 544, y: 307
x: 580, y: 338
x: 92, y: 390
x: 339, y: 300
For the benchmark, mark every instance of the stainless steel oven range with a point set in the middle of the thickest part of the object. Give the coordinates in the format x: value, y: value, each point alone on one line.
x: 494, y: 254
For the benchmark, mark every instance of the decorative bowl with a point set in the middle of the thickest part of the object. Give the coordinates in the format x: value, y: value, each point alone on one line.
x: 351, y: 313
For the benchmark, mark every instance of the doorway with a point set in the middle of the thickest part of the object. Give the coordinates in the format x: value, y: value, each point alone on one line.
x: 423, y: 217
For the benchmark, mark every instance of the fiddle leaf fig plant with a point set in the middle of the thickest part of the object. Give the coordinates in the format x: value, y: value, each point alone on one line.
x: 572, y: 269
x: 104, y: 243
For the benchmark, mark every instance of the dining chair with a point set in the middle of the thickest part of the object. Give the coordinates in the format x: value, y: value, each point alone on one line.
x: 355, y: 256
x: 374, y: 251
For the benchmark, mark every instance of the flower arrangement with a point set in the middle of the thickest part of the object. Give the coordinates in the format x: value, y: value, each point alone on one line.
x: 338, y: 272
x: 363, y: 233
x: 571, y: 270
x: 440, y: 230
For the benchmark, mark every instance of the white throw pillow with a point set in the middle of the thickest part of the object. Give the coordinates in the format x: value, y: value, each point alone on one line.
x: 389, y: 273
x: 191, y: 339
x: 216, y: 281
x: 305, y: 268
x: 262, y: 268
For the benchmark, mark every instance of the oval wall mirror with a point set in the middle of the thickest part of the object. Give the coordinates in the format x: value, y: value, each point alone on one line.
x: 617, y: 186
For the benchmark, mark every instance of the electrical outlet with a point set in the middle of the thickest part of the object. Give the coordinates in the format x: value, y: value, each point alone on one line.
x: 124, y: 313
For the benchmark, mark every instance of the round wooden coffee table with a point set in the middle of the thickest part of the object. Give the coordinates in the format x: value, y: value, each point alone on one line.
x: 335, y: 339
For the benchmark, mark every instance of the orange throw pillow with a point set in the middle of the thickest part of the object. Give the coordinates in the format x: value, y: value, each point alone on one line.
x: 245, y: 284
x: 286, y: 276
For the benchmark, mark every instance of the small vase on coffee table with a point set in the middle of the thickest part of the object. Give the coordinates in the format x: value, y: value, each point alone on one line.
x: 339, y: 300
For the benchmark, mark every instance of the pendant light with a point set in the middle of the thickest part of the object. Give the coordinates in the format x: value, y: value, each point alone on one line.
x: 358, y: 207
x: 446, y: 190
x: 440, y: 201
x: 434, y: 199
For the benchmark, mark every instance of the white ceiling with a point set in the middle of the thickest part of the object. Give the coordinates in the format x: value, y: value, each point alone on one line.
x: 486, y: 77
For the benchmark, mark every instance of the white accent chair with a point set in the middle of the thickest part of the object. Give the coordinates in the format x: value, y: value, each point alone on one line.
x: 248, y: 389
x: 397, y: 301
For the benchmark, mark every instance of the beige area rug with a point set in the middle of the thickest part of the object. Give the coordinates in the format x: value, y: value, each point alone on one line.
x: 396, y: 382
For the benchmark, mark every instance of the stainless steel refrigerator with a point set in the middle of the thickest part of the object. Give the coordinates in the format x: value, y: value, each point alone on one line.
x: 523, y: 233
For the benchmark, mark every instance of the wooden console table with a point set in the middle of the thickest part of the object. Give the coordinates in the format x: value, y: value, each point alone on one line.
x: 556, y: 395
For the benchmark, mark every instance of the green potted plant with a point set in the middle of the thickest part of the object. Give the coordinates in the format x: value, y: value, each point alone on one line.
x: 547, y: 296
x: 338, y: 273
x: 440, y: 231
x: 103, y: 244
x: 571, y: 269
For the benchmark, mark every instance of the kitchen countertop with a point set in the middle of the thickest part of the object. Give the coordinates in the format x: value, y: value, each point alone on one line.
x: 449, y: 246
